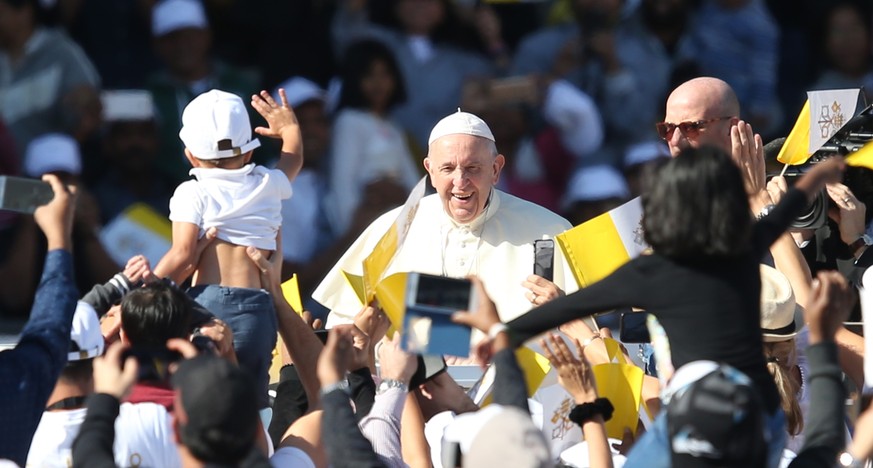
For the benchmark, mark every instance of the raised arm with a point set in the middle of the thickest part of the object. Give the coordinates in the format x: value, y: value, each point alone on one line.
x: 346, y: 446
x: 509, y: 382
x: 29, y: 372
x: 826, y: 172
x: 382, y: 425
x: 773, y: 225
x: 830, y: 303
x: 180, y: 261
x: 282, y: 124
x: 303, y: 346
x: 616, y: 290
x: 575, y: 375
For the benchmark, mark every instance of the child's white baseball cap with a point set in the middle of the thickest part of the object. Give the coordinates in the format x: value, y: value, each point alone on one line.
x: 215, y: 125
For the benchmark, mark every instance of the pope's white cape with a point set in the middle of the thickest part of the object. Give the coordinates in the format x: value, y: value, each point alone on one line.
x: 504, y: 257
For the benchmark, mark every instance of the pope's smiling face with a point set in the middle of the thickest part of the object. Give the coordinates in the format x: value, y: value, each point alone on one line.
x: 463, y: 169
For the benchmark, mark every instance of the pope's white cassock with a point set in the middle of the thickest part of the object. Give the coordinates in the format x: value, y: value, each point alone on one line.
x: 497, y: 247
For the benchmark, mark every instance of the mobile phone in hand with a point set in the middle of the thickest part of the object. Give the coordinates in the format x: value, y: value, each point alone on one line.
x: 544, y: 258
x: 429, y: 366
x: 23, y: 195
x: 430, y: 302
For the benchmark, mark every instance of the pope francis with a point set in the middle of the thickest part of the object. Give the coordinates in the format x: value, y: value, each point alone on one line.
x: 467, y: 228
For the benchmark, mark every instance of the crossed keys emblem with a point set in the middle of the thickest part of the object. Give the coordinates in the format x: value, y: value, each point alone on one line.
x: 831, y: 119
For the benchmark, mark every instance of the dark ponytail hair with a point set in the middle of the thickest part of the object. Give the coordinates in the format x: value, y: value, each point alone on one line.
x: 696, y: 205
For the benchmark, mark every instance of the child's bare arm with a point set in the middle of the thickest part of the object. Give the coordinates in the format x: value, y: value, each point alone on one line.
x: 180, y: 261
x: 282, y: 124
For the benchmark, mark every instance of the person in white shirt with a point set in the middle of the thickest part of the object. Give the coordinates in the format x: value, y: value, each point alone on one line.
x: 467, y: 228
x: 243, y: 201
x: 144, y: 429
x: 367, y: 147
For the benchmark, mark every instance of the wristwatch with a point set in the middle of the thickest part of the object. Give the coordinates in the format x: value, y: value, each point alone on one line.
x: 388, y: 384
x: 860, y: 244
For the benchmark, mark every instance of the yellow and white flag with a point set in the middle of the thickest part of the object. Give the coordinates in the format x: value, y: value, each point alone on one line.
x: 823, y: 115
x: 599, y: 246
x: 139, y: 229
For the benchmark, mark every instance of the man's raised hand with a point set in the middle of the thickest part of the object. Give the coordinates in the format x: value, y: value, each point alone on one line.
x: 56, y: 218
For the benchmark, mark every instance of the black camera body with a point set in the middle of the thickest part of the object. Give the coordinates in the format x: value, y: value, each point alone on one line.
x: 855, y: 134
x: 816, y: 213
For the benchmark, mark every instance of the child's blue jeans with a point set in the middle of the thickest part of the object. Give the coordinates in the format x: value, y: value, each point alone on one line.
x: 251, y: 316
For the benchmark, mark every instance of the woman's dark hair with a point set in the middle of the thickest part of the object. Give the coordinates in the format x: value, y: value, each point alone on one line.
x: 358, y: 60
x: 695, y: 205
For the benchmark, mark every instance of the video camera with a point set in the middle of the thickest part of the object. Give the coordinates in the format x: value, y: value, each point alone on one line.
x: 850, y: 138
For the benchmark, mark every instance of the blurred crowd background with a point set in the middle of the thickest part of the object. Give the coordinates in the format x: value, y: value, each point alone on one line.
x: 93, y: 90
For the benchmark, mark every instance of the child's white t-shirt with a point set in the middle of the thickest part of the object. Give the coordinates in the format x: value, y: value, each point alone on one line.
x: 244, y: 204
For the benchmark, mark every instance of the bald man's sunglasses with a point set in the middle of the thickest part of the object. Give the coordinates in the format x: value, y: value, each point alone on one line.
x: 689, y: 129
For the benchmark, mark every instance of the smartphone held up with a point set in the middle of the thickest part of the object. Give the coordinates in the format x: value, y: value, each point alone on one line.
x: 430, y: 302
x: 23, y: 195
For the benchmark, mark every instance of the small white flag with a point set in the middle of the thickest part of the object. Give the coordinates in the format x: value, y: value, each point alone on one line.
x: 829, y: 111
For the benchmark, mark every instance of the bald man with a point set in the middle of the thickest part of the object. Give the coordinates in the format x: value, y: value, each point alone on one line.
x: 467, y: 228
x: 705, y: 111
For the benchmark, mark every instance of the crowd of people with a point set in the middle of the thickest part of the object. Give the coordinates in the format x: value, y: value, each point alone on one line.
x: 186, y: 194
x: 571, y: 88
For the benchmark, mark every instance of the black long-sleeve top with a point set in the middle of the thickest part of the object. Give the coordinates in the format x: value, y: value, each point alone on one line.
x: 709, y: 306
x: 93, y: 445
x: 509, y: 386
x: 344, y: 443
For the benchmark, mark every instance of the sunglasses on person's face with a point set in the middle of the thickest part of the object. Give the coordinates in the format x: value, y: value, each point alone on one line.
x: 689, y: 129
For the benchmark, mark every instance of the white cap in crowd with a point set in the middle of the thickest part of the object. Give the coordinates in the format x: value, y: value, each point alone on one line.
x: 299, y: 90
x: 172, y: 15
x: 216, y: 125
x: 85, y: 334
x: 127, y: 105
x: 462, y: 123
x: 593, y: 183
x: 496, y: 435
x: 644, y: 152
x: 52, y: 152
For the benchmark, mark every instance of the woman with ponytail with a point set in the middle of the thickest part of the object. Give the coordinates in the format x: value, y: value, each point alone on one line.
x: 781, y: 322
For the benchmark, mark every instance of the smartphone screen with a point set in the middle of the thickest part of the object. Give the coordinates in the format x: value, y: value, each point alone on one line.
x: 427, y: 324
x: 544, y: 258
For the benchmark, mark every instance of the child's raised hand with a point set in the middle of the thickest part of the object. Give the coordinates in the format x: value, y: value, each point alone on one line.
x: 280, y: 118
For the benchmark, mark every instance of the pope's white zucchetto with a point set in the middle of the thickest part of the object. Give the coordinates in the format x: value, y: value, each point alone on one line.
x: 462, y: 123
